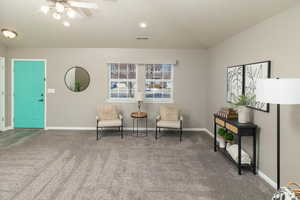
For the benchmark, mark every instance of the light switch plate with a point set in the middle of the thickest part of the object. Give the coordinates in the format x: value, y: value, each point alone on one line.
x: 51, y: 91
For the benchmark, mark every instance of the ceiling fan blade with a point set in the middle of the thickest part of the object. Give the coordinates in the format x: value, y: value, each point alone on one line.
x: 83, y: 4
x: 79, y: 14
x: 87, y: 12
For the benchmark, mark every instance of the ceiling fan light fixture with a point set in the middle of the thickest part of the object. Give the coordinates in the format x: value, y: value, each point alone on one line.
x: 59, y: 7
x: 71, y: 13
x: 9, y: 33
x: 56, y: 16
x: 67, y: 24
x: 45, y: 9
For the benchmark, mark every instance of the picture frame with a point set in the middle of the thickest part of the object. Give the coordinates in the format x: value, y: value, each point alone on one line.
x: 235, y: 82
x: 253, y: 72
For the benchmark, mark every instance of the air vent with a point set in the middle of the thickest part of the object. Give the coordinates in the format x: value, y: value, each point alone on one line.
x: 142, y: 37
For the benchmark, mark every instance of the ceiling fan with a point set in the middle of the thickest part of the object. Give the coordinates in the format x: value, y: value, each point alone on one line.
x: 68, y: 9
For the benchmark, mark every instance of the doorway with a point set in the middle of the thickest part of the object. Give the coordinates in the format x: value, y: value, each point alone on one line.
x: 29, y: 97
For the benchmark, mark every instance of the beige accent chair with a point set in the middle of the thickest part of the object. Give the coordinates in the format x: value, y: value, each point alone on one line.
x: 109, y: 117
x: 169, y: 118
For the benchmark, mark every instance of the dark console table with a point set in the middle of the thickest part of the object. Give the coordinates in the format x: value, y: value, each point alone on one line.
x: 240, y: 130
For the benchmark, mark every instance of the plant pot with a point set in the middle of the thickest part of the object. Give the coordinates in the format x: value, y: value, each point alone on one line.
x: 244, y: 114
x: 221, y: 141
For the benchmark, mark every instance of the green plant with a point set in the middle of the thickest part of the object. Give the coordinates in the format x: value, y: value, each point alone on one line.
x: 221, y: 132
x: 77, y: 86
x: 242, y: 100
x: 229, y: 136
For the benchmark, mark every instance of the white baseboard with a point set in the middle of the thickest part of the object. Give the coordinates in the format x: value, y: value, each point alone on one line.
x: 125, y: 128
x: 208, y: 132
x: 70, y: 128
x: 259, y: 172
x: 7, y: 128
x: 267, y: 179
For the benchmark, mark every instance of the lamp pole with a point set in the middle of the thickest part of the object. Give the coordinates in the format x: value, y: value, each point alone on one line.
x: 278, y: 146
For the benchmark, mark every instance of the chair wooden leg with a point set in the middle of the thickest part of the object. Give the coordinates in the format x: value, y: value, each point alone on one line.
x: 97, y: 133
x: 156, y: 133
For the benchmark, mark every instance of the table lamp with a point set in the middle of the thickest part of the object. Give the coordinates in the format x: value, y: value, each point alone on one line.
x: 139, y: 97
x: 278, y: 91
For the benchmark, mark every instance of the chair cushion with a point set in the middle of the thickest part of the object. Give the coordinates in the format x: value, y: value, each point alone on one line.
x: 168, y: 124
x: 169, y: 113
x: 108, y: 112
x: 110, y: 123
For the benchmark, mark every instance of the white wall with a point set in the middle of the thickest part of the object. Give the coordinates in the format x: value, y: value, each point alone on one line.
x: 3, y: 50
x: 68, y: 109
x: 276, y: 39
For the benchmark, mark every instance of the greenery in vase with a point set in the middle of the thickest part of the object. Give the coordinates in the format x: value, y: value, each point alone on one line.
x: 77, y: 86
x: 243, y: 100
x: 229, y: 136
x: 222, y: 132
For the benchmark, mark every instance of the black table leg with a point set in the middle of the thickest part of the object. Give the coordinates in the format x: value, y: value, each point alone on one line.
x: 215, y: 136
x: 133, y: 126
x: 239, y: 153
x: 254, y: 152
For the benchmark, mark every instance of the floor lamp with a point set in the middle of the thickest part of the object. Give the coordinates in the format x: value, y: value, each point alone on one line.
x: 278, y: 91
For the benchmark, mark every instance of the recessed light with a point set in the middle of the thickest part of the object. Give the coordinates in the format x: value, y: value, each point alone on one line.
x: 9, y: 33
x: 143, y: 25
x: 67, y: 24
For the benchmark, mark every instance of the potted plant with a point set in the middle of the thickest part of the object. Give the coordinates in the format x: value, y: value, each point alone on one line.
x: 221, y: 135
x: 228, y: 138
x: 243, y: 111
x: 77, y: 86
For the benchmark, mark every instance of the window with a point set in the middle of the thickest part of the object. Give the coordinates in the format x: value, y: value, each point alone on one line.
x: 122, y: 81
x: 159, y: 82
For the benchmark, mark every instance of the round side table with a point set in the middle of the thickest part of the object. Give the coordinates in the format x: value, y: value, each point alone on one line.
x: 137, y: 116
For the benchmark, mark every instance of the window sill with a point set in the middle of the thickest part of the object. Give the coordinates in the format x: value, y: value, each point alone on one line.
x: 159, y: 101
x: 120, y: 101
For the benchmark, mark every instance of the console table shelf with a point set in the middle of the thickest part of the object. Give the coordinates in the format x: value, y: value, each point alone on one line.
x: 240, y: 130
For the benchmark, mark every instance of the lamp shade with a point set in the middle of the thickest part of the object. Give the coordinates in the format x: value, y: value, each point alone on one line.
x: 139, y: 96
x: 278, y: 91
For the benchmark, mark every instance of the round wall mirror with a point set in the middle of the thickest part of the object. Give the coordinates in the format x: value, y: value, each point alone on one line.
x: 77, y: 79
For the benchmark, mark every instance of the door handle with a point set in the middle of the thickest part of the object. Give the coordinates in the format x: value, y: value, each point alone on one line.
x: 41, y: 100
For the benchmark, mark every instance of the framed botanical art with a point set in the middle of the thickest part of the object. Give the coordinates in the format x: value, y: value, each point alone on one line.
x: 253, y: 72
x: 235, y: 82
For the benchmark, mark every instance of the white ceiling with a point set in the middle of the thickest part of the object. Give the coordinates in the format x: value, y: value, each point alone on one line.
x: 171, y: 23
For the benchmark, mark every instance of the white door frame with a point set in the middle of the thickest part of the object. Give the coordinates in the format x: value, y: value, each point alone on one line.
x: 2, y: 93
x: 13, y: 92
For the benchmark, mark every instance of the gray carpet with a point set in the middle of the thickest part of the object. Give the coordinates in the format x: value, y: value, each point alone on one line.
x: 72, y: 165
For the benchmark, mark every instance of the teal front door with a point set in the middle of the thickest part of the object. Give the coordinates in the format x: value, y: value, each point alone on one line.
x: 29, y: 93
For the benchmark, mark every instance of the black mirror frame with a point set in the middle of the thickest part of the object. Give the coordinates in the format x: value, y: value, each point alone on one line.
x: 83, y: 70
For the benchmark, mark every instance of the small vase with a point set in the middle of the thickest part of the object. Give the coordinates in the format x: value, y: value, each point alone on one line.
x: 221, y: 141
x: 243, y: 114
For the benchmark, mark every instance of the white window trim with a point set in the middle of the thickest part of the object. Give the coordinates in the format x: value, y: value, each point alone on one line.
x: 132, y: 100
x: 120, y: 100
x: 162, y: 100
